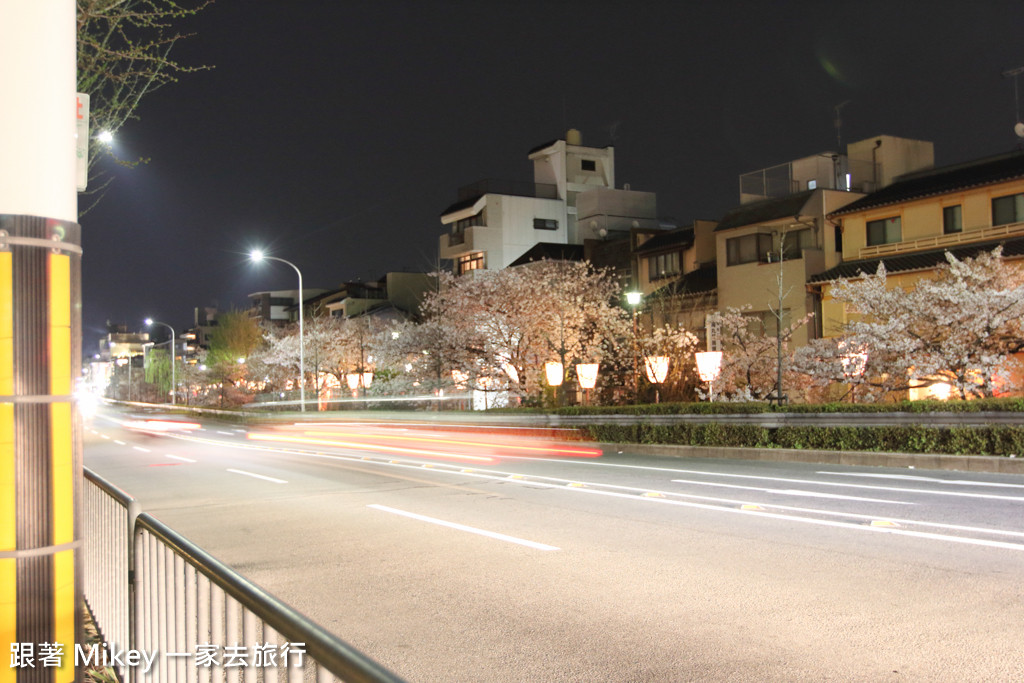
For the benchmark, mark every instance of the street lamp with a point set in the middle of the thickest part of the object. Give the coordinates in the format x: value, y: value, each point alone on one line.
x: 633, y: 299
x: 256, y: 256
x: 174, y: 385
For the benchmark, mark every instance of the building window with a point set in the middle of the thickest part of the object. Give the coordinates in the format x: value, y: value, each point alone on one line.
x: 545, y: 224
x: 474, y: 261
x: 662, y: 266
x: 588, y: 165
x: 795, y: 241
x: 1008, y: 209
x: 884, y: 231
x: 838, y: 234
x: 748, y: 249
x: 951, y: 220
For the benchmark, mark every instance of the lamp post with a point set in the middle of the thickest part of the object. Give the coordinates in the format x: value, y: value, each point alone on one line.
x: 633, y: 299
x: 174, y: 384
x: 256, y: 256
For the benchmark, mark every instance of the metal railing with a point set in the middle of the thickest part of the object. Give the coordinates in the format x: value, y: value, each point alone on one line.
x: 154, y: 591
x: 109, y: 517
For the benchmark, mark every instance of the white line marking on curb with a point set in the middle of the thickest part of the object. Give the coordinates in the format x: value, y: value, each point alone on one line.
x: 258, y: 476
x: 462, y: 527
x: 140, y: 448
x: 178, y: 457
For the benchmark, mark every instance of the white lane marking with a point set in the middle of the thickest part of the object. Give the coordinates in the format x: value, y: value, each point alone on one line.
x: 258, y: 476
x: 140, y: 448
x: 463, y: 527
x: 120, y: 443
x: 789, y: 492
x: 227, y: 433
x: 814, y: 482
x: 502, y: 476
x: 178, y: 457
x: 104, y: 436
x: 931, y: 480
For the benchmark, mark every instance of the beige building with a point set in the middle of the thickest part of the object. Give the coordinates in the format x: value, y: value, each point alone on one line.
x: 964, y: 209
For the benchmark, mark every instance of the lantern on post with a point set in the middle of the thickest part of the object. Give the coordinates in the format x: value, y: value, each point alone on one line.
x: 553, y: 373
x: 709, y: 365
x: 656, y: 368
x: 586, y: 375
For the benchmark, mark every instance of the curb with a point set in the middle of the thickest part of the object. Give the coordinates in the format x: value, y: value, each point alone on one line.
x: 965, y: 463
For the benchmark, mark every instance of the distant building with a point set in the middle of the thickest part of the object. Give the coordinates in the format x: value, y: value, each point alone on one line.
x: 571, y: 200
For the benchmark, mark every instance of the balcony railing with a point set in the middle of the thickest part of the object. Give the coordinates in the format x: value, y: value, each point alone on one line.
x: 516, y: 188
x: 940, y: 241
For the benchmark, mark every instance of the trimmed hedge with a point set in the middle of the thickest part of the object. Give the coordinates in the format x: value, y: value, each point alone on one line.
x: 898, y: 439
x: 723, y: 408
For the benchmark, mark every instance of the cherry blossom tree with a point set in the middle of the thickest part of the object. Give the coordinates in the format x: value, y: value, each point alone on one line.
x: 506, y: 324
x: 750, y: 359
x: 961, y: 327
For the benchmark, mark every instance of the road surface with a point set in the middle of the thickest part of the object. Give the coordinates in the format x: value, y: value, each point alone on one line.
x: 465, y: 555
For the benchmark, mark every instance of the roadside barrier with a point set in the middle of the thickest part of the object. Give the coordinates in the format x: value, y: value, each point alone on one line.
x: 170, y: 612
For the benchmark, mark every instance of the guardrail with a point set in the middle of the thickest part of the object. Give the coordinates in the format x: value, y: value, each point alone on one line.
x: 192, y: 618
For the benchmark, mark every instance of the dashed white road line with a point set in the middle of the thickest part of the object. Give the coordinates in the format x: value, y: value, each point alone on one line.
x: 140, y: 448
x: 178, y: 457
x: 258, y: 476
x: 463, y: 527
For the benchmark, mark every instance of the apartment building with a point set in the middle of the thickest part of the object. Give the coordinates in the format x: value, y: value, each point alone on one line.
x: 910, y: 225
x: 572, y: 199
x: 781, y: 236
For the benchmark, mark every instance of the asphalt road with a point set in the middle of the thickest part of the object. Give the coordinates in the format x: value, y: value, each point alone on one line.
x: 477, y: 556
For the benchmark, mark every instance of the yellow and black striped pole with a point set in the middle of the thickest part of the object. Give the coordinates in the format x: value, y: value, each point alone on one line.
x: 40, y: 344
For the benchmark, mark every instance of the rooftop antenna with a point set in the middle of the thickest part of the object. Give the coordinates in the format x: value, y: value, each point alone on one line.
x: 1018, y: 127
x: 838, y: 121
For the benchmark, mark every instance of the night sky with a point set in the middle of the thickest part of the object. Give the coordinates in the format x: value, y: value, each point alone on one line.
x: 333, y: 134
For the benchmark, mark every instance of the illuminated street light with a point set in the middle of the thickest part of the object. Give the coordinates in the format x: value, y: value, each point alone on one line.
x: 256, y: 256
x: 633, y: 299
x: 174, y: 385
x: 106, y: 137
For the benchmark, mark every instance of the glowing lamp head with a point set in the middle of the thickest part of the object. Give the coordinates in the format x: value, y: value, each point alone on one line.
x: 634, y: 298
x: 586, y: 374
x: 553, y: 373
x: 709, y: 365
x: 256, y: 255
x: 106, y: 137
x: 149, y: 322
x: 656, y: 368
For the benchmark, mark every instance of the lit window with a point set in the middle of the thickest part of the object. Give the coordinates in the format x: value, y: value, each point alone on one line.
x: 1009, y: 209
x: 885, y: 231
x: 952, y: 220
x: 474, y: 261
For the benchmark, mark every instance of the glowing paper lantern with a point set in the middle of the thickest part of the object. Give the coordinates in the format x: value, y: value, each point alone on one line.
x: 709, y: 365
x: 367, y: 379
x: 352, y: 379
x: 586, y: 374
x: 656, y: 368
x: 553, y: 372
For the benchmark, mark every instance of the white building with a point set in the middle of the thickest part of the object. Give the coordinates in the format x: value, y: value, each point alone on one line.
x: 495, y: 222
